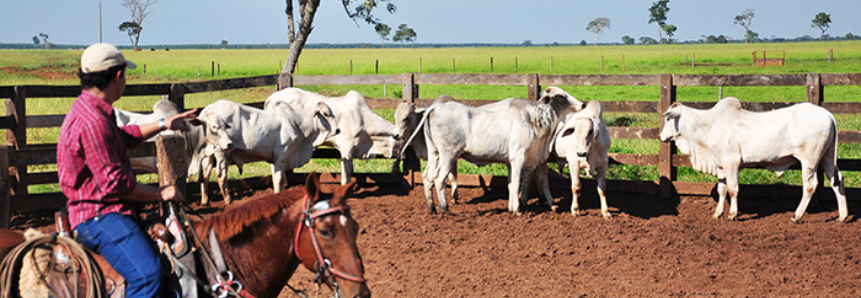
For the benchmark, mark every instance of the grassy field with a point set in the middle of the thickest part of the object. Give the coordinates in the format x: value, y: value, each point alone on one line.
x: 41, y: 67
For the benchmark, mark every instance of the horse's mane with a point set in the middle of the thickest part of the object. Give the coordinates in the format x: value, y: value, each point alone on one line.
x: 233, y: 221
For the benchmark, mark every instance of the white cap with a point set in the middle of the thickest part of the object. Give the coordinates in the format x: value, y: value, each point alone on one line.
x: 101, y: 56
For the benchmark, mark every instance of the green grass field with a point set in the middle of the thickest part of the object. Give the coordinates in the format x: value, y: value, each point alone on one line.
x: 57, y: 67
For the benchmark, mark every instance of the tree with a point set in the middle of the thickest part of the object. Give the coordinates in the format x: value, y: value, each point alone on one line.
x: 223, y: 43
x: 296, y: 38
x: 597, y: 27
x: 383, y: 31
x: 658, y: 14
x: 404, y: 34
x: 36, y: 40
x: 745, y: 19
x: 671, y: 31
x: 133, y: 30
x: 850, y: 36
x: 628, y: 40
x: 44, y: 37
x: 647, y: 40
x: 139, y: 11
x: 822, y: 21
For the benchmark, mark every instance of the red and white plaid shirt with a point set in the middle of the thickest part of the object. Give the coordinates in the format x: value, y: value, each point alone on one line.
x: 93, y: 161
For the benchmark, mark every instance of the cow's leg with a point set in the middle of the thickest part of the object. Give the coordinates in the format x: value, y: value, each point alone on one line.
x: 346, y: 168
x: 429, y: 175
x: 722, y: 190
x: 446, y: 163
x: 732, y: 189
x: 836, y: 178
x: 203, y: 176
x: 574, y: 167
x: 452, y: 178
x: 515, y: 173
x: 278, y: 174
x: 543, y: 181
x: 809, y: 181
x: 602, y: 187
x: 222, y: 164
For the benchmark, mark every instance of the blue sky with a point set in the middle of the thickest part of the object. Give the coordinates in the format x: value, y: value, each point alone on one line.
x: 436, y: 21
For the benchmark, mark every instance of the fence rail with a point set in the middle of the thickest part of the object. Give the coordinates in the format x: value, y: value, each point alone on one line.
x: 18, y: 154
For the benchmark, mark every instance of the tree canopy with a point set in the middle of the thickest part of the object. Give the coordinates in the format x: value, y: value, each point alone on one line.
x: 404, y: 34
x: 658, y: 14
x: 745, y: 19
x: 139, y: 10
x: 822, y: 21
x: 383, y: 31
x: 597, y: 27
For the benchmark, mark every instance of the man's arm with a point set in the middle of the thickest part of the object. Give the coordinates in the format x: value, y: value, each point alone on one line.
x: 177, y: 122
x: 145, y: 193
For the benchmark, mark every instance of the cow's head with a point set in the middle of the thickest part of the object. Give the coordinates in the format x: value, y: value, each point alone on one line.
x: 214, y: 130
x: 407, y: 117
x: 560, y: 100
x: 325, y: 121
x: 584, y: 130
x: 671, y: 123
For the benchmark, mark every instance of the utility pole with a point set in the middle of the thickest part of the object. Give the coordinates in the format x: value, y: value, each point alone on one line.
x: 100, y: 21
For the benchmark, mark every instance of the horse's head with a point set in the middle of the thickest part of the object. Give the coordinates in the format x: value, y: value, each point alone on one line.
x: 326, y: 239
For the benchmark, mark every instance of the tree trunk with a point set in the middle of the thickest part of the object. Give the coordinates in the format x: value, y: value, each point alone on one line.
x: 137, y: 38
x: 307, y: 11
x: 291, y: 32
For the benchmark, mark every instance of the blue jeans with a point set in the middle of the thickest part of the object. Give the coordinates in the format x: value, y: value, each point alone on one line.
x: 127, y: 248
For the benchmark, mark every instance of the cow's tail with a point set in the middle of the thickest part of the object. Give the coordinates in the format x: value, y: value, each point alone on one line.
x: 420, y: 127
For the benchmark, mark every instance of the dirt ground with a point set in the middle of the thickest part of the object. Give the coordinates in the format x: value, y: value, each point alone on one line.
x: 651, y: 248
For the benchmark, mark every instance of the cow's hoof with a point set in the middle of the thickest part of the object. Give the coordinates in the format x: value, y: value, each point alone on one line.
x: 732, y: 216
x: 795, y: 219
x: 575, y: 213
x: 554, y: 208
x: 608, y: 216
x: 716, y: 216
x: 518, y: 213
x: 842, y: 219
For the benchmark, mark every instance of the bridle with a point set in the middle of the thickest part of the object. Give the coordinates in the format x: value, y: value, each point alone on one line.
x: 323, y: 267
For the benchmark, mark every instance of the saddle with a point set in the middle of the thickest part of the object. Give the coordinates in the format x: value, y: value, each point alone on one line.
x: 56, y: 265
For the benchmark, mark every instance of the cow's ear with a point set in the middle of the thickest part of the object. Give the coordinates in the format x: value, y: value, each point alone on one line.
x: 420, y: 110
x: 196, y: 122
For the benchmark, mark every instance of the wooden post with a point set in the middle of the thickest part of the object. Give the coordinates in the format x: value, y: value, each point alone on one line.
x: 667, y: 172
x: 830, y: 55
x: 377, y: 66
x: 452, y: 65
x: 753, y: 62
x: 351, y: 67
x: 551, y: 63
x: 173, y: 161
x: 815, y: 96
x: 144, y: 69
x: 533, y: 87
x: 420, y: 65
x: 693, y: 60
x: 5, y: 202
x: 491, y: 64
x: 177, y: 95
x: 720, y: 92
x: 219, y: 70
x: 602, y: 63
x: 515, y: 64
x: 19, y: 137
x: 409, y: 87
x: 285, y: 80
x: 212, y: 69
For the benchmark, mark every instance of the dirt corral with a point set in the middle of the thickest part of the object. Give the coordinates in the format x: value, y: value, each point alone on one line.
x: 651, y: 248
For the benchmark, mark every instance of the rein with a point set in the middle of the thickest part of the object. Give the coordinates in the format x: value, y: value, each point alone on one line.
x: 323, y: 266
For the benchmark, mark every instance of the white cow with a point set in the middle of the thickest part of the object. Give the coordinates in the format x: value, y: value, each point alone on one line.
x: 407, y: 117
x: 282, y: 136
x: 363, y: 134
x: 516, y: 132
x: 583, y: 142
x: 725, y: 138
x: 163, y: 108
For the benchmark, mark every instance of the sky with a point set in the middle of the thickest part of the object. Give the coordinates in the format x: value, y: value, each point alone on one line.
x: 434, y: 21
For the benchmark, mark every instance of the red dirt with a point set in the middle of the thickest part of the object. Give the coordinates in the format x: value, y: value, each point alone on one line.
x: 651, y: 248
x: 48, y: 73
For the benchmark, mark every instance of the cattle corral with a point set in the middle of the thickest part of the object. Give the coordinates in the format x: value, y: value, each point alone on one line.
x: 19, y: 154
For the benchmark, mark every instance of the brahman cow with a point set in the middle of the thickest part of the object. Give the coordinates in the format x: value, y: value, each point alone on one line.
x: 725, y: 138
x: 363, y: 134
x: 583, y: 142
x: 239, y: 134
x: 163, y: 108
x: 516, y: 132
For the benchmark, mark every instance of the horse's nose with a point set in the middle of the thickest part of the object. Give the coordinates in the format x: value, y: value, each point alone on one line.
x: 581, y: 154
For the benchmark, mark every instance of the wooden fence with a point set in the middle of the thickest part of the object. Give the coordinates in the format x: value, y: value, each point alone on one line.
x: 18, y: 154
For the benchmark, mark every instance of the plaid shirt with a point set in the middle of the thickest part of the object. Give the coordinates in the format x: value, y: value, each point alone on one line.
x: 93, y: 161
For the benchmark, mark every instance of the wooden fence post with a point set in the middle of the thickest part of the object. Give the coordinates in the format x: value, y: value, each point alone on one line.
x: 410, y: 94
x: 172, y: 162
x: 491, y: 64
x: 5, y: 202
x: 815, y: 96
x: 285, y: 80
x: 666, y: 170
x: 19, y: 137
x: 212, y: 68
x: 409, y: 87
x: 533, y: 87
x: 177, y: 95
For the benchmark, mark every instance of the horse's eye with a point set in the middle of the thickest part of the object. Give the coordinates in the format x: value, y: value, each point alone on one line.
x: 325, y: 233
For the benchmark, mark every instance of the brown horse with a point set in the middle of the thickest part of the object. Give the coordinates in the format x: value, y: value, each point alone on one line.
x: 263, y: 241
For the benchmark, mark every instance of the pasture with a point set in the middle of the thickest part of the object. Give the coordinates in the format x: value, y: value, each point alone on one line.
x: 38, y: 67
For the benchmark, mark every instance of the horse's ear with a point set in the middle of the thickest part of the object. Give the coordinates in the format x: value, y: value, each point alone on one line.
x: 312, y: 185
x: 343, y: 192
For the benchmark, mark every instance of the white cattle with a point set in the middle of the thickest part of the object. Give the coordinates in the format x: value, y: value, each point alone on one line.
x: 363, y: 134
x: 163, y: 108
x: 583, y: 142
x: 407, y: 117
x: 516, y: 132
x: 725, y: 138
x: 282, y: 136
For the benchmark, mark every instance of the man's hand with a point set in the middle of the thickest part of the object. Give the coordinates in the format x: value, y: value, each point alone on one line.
x: 169, y: 193
x: 178, y: 121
